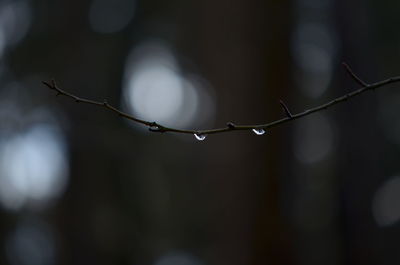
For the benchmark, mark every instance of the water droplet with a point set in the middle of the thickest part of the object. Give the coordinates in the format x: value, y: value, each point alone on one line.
x: 259, y: 131
x: 200, y: 137
x: 153, y: 128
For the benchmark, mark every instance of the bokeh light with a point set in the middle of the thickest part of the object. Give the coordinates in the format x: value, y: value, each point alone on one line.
x: 15, y: 20
x: 313, y: 52
x: 314, y: 47
x: 3, y: 42
x: 31, y: 243
x: 385, y: 204
x: 156, y: 89
x: 313, y: 139
x: 111, y: 16
x: 33, y: 167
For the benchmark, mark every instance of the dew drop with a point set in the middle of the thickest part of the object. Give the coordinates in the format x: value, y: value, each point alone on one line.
x: 200, y: 137
x: 154, y: 128
x: 259, y: 131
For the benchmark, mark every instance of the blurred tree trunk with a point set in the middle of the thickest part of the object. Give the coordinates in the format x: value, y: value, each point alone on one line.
x: 244, y: 50
x: 272, y: 241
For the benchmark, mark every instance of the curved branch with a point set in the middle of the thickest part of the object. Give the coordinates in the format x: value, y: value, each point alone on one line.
x: 156, y: 127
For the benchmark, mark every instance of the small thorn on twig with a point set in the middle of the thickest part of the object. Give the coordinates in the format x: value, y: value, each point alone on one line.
x: 53, y: 83
x: 354, y: 76
x: 286, y: 109
x: 105, y: 103
x: 231, y: 125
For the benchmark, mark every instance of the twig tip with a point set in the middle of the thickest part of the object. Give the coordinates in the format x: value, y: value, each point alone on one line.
x: 286, y: 109
x: 354, y: 76
x: 231, y: 125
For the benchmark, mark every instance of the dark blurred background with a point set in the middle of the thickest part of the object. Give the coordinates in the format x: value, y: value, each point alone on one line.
x: 80, y: 185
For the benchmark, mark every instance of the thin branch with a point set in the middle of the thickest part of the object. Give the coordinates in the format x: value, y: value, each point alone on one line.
x: 231, y: 125
x: 156, y: 127
x: 354, y: 76
x: 286, y: 109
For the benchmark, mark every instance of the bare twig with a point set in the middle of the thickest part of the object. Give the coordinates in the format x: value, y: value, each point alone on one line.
x: 231, y: 125
x: 285, y: 109
x: 156, y: 127
x: 354, y: 76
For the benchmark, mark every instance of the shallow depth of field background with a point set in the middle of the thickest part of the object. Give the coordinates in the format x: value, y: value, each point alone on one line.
x: 80, y: 185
